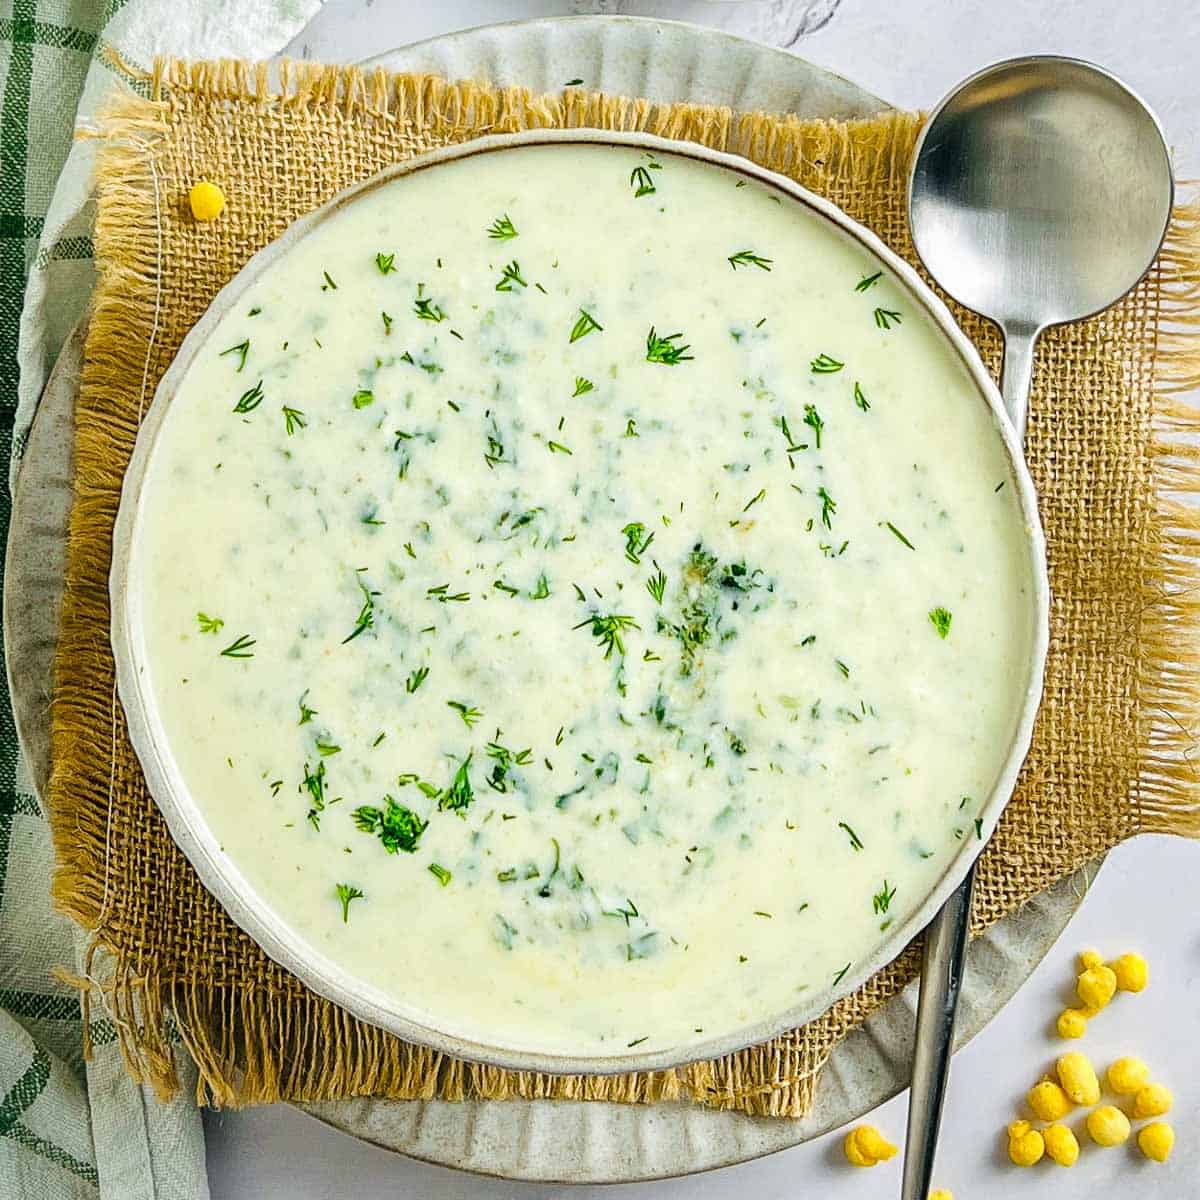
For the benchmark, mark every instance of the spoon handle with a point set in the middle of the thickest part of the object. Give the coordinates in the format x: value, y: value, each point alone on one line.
x: 946, y: 935
x: 941, y: 980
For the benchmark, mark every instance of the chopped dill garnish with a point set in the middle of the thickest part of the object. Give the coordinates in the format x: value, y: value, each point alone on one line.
x: 607, y: 630
x: 747, y: 258
x: 582, y: 386
x: 941, y: 619
x: 314, y: 784
x: 636, y: 541
x: 511, y: 274
x: 656, y: 585
x: 306, y: 713
x: 503, y: 760
x: 385, y: 262
x: 860, y: 399
x: 240, y: 648
x: 442, y: 594
x: 558, y: 448
x: 899, y: 535
x: 825, y: 364
x: 813, y: 420
x: 868, y: 281
x: 885, y: 318
x: 507, y: 588
x: 841, y: 975
x: 326, y: 749
x: 366, y: 614
x: 841, y: 666
x: 855, y: 841
x: 979, y: 828
x: 241, y: 350
x: 662, y: 350
x: 468, y: 713
x: 584, y: 325
x: 293, y: 419
x: 828, y: 507
x: 641, y: 180
x: 387, y: 323
x: 397, y: 827
x: 882, y: 899
x: 760, y: 495
x: 362, y: 398
x: 631, y: 429
x: 425, y: 308
x: 346, y: 893
x: 415, y: 680
x: 502, y: 229
x: 209, y: 624
x: 250, y: 399
x: 542, y: 590
x: 458, y: 796
x: 439, y: 873
x: 328, y: 285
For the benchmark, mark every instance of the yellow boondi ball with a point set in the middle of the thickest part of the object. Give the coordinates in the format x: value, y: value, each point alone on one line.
x: 1096, y: 986
x: 1089, y: 959
x: 1047, y: 1101
x: 1078, y: 1078
x: 1071, y: 1023
x: 1128, y: 1075
x: 1025, y: 1145
x: 1107, y: 1125
x: 865, y: 1146
x: 1131, y: 972
x: 1061, y: 1145
x: 1156, y: 1140
x: 207, y: 201
x: 1152, y: 1101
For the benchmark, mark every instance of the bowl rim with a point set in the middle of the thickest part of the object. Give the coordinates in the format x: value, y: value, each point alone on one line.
x: 219, y: 872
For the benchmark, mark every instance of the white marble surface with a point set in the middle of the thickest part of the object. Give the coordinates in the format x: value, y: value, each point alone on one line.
x: 910, y: 52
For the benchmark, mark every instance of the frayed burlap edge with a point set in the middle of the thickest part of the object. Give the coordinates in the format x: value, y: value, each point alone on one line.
x: 268, y: 1041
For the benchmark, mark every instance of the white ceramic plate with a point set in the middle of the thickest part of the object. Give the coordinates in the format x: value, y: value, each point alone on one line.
x: 555, y: 1140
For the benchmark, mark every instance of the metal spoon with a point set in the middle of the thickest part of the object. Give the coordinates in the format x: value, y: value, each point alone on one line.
x: 1041, y: 190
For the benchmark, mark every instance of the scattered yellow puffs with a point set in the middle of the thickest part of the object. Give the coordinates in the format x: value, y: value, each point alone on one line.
x: 1152, y: 1101
x: 1089, y: 959
x: 941, y: 1194
x: 1096, y: 986
x: 1047, y: 1101
x: 1078, y: 1078
x: 1061, y: 1145
x: 1128, y: 1075
x: 1025, y: 1144
x: 1131, y: 972
x: 1156, y: 1140
x: 1108, y: 1125
x: 1072, y: 1023
x: 207, y: 201
x: 865, y: 1146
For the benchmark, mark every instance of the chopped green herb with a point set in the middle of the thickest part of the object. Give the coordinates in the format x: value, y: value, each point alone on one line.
x: 328, y: 285
x: 828, y: 507
x: 608, y: 630
x: 882, y: 899
x: 542, y: 590
x: 631, y: 429
x: 306, y: 713
x: 366, y: 614
x: 662, y: 349
x: 314, y: 784
x: 840, y: 975
x: 899, y: 535
x: 241, y: 350
x: 823, y: 364
x: 747, y: 258
x: 458, y: 796
x: 636, y: 541
x: 841, y: 666
x: 868, y: 281
x: 425, y: 308
x: 325, y: 749
x: 656, y: 585
x: 240, y: 648
x: 439, y: 873
x: 250, y: 399
x: 558, y: 448
x: 641, y: 180
x: 387, y: 323
x: 293, y: 419
x: 346, y: 893
x: 511, y: 274
x: 209, y: 624
x: 397, y: 827
x: 941, y: 619
x: 415, y: 680
x: 812, y: 419
x: 502, y: 229
x: 469, y: 714
x: 886, y: 318
x: 443, y: 596
x: 362, y: 398
x: 760, y: 495
x: 860, y: 399
x: 855, y: 842
x: 582, y: 386
x: 386, y: 263
x: 585, y: 325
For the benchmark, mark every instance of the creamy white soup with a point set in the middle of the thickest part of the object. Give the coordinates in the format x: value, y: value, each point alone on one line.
x: 586, y: 597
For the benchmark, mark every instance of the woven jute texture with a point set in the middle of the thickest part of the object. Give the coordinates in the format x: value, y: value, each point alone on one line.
x: 1110, y: 445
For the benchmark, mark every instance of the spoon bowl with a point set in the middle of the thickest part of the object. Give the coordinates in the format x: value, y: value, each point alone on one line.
x: 1040, y: 193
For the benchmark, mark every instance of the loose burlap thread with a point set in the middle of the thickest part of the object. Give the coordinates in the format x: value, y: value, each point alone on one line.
x: 1109, y: 444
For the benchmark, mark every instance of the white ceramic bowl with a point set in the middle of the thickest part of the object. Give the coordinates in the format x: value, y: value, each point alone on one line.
x: 222, y: 876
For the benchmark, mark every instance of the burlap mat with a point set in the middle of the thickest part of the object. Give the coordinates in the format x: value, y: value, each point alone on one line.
x: 1108, y: 445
